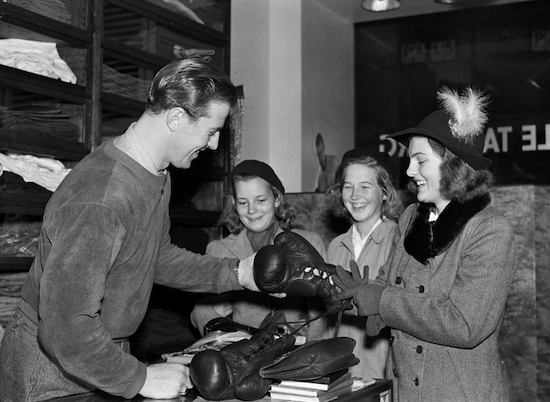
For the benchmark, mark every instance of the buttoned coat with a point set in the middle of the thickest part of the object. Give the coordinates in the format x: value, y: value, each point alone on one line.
x: 372, y: 351
x: 445, y: 313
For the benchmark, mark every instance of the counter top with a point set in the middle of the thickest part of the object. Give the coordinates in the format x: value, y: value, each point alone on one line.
x: 372, y: 393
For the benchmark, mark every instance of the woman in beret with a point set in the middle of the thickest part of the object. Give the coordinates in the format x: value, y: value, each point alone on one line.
x: 255, y: 212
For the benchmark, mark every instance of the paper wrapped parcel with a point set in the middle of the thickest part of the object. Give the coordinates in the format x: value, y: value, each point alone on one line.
x: 313, y: 360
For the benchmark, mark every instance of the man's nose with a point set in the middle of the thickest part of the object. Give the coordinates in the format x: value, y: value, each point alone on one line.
x: 214, y: 141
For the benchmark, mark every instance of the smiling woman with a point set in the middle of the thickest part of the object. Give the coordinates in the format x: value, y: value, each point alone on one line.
x: 255, y: 213
x: 443, y: 291
x: 364, y: 193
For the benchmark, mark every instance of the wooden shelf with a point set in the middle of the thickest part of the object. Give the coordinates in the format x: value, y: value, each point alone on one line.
x: 39, y: 24
x: 121, y: 104
x: 43, y: 145
x: 89, y: 99
x: 129, y: 54
x: 23, y: 80
x: 15, y: 264
x: 20, y: 197
x: 187, y: 27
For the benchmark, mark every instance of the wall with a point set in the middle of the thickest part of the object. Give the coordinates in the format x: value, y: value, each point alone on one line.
x: 295, y: 62
x: 327, y: 86
x: 295, y: 59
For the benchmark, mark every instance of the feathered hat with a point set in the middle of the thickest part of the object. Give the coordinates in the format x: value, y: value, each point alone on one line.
x: 458, y: 125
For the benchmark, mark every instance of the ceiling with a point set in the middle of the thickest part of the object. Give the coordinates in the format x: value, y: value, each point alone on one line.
x: 352, y: 11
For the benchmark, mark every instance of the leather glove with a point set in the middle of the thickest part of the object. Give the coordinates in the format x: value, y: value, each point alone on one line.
x: 313, y: 360
x: 233, y: 371
x: 346, y: 280
x: 293, y: 266
x: 365, y: 297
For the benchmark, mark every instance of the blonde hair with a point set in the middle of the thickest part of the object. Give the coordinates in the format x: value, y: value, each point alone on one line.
x: 229, y: 217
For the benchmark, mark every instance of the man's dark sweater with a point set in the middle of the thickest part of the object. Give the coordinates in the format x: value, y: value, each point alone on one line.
x: 104, y: 241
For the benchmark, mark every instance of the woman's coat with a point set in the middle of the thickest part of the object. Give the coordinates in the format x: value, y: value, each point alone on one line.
x: 445, y: 306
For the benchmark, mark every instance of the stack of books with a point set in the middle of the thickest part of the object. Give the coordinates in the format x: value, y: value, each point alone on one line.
x: 321, y: 390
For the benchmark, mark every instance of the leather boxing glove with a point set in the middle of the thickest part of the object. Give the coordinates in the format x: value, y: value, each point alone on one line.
x: 293, y: 266
x: 234, y: 371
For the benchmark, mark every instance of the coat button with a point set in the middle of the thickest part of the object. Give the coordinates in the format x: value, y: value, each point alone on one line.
x: 419, y: 349
x: 398, y: 280
x: 394, y: 371
x: 416, y: 382
x: 421, y: 289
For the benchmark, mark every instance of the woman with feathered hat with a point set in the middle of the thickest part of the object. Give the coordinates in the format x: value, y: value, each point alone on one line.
x: 444, y: 289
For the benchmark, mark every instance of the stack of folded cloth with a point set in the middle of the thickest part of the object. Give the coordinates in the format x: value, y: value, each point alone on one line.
x: 124, y: 84
x: 38, y: 119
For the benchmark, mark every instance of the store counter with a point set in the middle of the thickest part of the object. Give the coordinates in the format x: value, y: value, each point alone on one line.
x: 380, y: 391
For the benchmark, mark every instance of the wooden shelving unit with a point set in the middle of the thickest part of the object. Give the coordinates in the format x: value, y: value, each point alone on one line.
x: 114, y: 48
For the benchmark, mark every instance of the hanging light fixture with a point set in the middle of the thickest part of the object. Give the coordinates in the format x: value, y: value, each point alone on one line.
x: 472, y: 2
x: 381, y: 5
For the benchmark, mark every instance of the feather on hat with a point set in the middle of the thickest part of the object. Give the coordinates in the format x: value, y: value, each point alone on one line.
x: 458, y: 125
x: 467, y: 110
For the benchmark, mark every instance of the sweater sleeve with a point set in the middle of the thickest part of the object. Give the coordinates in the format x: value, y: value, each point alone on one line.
x: 213, y: 306
x: 182, y: 269
x: 83, y: 241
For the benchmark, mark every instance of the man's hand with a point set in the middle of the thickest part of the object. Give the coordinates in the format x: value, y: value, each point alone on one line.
x: 166, y: 381
x: 246, y: 276
x: 246, y: 273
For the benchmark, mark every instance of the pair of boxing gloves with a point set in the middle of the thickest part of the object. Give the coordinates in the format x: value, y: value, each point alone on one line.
x: 234, y: 371
x: 293, y: 266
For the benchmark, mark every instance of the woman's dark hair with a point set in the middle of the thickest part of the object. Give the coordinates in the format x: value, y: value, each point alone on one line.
x: 191, y: 84
x: 459, y: 181
x: 391, y: 206
x: 229, y: 218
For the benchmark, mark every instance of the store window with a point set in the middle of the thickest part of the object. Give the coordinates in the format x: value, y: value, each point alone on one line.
x: 502, y: 50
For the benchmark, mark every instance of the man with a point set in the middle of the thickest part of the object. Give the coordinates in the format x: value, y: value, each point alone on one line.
x: 105, y: 241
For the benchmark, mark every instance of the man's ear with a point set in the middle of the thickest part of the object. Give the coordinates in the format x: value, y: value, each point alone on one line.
x: 175, y: 117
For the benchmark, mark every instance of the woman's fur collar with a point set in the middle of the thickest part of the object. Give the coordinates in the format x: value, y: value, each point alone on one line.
x: 426, y: 240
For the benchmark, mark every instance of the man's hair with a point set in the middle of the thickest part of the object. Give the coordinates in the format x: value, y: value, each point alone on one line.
x: 459, y: 181
x: 191, y: 84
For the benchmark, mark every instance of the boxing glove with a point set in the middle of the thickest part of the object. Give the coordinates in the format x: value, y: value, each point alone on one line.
x: 293, y: 266
x: 233, y: 371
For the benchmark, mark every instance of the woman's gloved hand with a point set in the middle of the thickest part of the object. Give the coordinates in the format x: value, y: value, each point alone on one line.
x: 347, y: 280
x: 365, y: 295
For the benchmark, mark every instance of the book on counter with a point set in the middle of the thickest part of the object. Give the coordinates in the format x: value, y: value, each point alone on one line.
x: 322, y: 396
x: 313, y: 391
x: 321, y: 384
